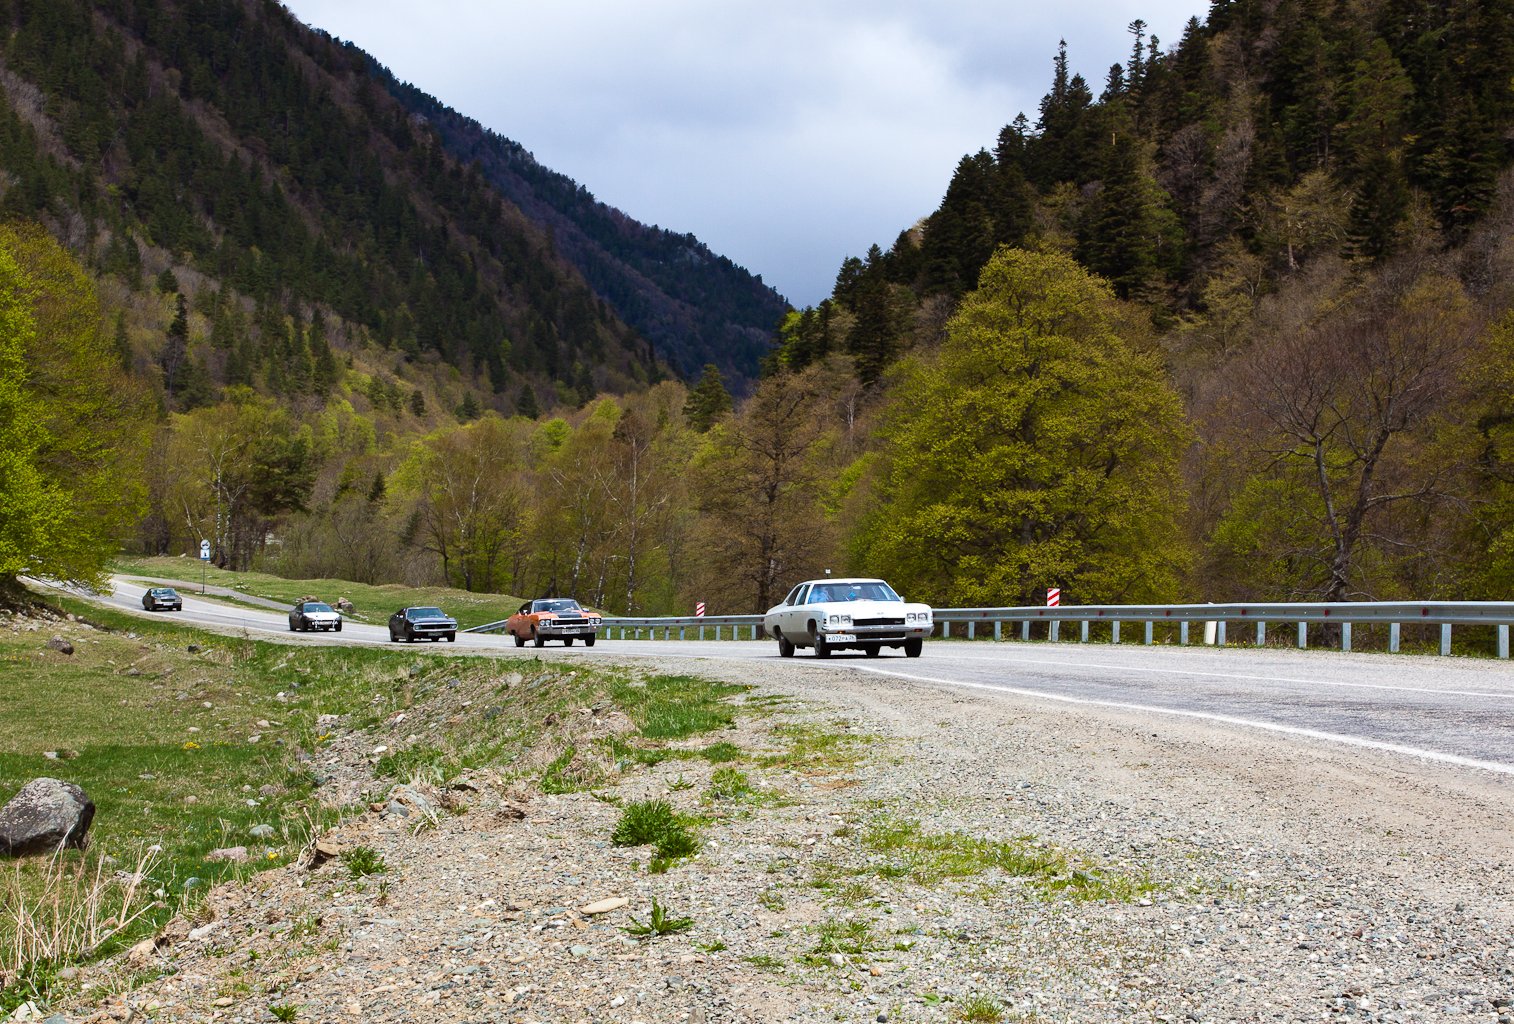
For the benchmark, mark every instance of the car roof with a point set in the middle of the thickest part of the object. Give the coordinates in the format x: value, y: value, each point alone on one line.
x: 844, y: 579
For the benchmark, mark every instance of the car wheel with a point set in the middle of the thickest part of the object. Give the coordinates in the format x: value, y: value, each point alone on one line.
x: 785, y: 647
x: 873, y: 650
x: 913, y: 646
x: 822, y: 649
x: 567, y: 641
x: 520, y: 641
x: 291, y: 625
x: 338, y: 627
x: 536, y: 640
x: 452, y: 638
x: 589, y: 640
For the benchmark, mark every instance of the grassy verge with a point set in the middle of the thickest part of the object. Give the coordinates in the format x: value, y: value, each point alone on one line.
x: 374, y: 603
x: 189, y: 741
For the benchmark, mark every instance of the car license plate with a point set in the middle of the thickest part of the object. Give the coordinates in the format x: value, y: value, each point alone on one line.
x: 840, y: 638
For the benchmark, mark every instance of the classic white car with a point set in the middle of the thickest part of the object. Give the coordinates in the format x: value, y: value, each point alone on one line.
x: 840, y: 614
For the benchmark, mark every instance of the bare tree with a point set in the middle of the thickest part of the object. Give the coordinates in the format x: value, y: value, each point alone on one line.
x: 1343, y: 401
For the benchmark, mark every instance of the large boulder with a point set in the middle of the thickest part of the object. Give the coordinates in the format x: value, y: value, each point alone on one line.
x: 47, y: 814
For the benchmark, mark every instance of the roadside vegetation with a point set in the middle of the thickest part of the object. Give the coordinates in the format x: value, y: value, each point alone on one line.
x: 190, y: 742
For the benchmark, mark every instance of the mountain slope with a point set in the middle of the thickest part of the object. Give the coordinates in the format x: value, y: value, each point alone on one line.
x: 224, y: 151
x: 695, y: 306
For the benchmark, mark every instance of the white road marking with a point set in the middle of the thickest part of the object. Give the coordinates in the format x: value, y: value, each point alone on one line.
x: 1238, y: 675
x: 1291, y: 730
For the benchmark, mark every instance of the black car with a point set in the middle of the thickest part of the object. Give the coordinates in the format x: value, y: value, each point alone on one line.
x: 424, y: 623
x: 162, y: 597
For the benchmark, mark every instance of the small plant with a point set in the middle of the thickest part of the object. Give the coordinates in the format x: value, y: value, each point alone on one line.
x: 680, y: 784
x: 764, y: 961
x: 980, y: 1008
x: 853, y: 936
x: 558, y: 778
x: 362, y: 861
x: 655, y: 823
x: 712, y: 947
x: 658, y: 923
x: 772, y: 899
x: 306, y: 926
x: 284, y: 1012
x: 729, y: 784
x: 720, y: 753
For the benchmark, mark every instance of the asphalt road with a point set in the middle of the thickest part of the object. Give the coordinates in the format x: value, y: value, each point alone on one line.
x: 1449, y: 710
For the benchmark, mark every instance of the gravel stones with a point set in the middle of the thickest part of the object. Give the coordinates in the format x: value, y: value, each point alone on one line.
x: 1291, y: 881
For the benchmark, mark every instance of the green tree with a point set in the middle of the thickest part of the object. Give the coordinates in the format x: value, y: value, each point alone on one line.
x: 1039, y: 448
x: 708, y: 401
x: 73, y: 428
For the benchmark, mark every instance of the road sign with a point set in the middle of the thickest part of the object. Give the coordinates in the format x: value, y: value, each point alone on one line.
x: 1053, y: 597
x: 204, y: 550
x: 699, y: 609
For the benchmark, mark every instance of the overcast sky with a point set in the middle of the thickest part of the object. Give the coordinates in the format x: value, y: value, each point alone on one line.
x: 785, y: 135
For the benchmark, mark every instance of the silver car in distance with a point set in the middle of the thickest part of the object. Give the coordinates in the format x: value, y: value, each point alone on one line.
x: 847, y: 614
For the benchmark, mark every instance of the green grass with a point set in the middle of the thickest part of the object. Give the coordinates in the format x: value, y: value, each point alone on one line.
x: 362, y: 861
x: 659, y: 922
x: 926, y: 858
x: 374, y: 602
x: 176, y: 746
x: 979, y: 1008
x: 676, y: 707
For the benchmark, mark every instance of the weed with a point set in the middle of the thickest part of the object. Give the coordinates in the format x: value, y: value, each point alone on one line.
x: 363, y: 860
x: 853, y: 936
x: 729, y: 784
x: 306, y: 926
x: 980, y: 1008
x: 772, y: 899
x: 655, y: 823
x: 284, y: 1012
x: 711, y: 947
x: 767, y: 963
x: 658, y: 923
x: 680, y: 784
x: 720, y: 753
x: 927, y: 858
x: 557, y: 778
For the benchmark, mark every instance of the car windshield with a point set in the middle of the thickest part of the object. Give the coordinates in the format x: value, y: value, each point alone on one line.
x: 317, y: 606
x: 566, y: 604
x: 866, y: 591
x: 163, y: 592
x: 424, y: 613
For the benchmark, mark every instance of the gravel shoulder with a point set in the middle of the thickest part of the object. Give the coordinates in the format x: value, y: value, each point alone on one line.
x: 902, y: 853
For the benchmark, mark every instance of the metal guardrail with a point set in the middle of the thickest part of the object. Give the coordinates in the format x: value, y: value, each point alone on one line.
x: 1445, y: 614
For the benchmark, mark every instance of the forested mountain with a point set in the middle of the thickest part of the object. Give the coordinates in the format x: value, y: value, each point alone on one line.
x: 695, y: 306
x: 220, y: 150
x: 1305, y: 210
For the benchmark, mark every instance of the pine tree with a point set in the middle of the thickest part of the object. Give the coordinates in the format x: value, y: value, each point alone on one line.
x: 708, y: 400
x: 175, y: 347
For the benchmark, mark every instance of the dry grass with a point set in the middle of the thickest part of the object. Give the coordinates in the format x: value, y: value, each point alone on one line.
x: 65, y: 908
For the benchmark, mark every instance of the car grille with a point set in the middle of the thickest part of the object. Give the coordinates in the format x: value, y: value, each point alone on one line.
x: 877, y: 622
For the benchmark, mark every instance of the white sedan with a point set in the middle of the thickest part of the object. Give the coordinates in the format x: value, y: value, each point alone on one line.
x: 841, y: 614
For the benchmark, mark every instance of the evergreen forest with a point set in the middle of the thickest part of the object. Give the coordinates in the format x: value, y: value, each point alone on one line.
x: 1233, y: 322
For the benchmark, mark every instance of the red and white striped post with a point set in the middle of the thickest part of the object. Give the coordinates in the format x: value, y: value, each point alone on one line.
x: 1053, y: 597
x: 699, y: 614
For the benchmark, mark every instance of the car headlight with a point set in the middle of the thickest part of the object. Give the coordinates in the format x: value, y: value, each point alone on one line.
x: 917, y: 616
x: 838, y: 620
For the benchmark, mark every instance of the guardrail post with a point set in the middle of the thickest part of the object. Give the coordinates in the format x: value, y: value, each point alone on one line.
x: 1503, y: 641
x: 1346, y: 637
x: 1261, y: 634
x: 1303, y: 635
x: 1394, y: 630
x: 1445, y: 639
x: 1183, y: 633
x: 1025, y: 629
x: 972, y: 630
x: 1055, y: 630
x: 946, y: 629
x: 680, y: 634
x: 998, y: 631
x: 1148, y: 633
x: 1219, y: 633
x: 1114, y: 632
x: 1083, y: 632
